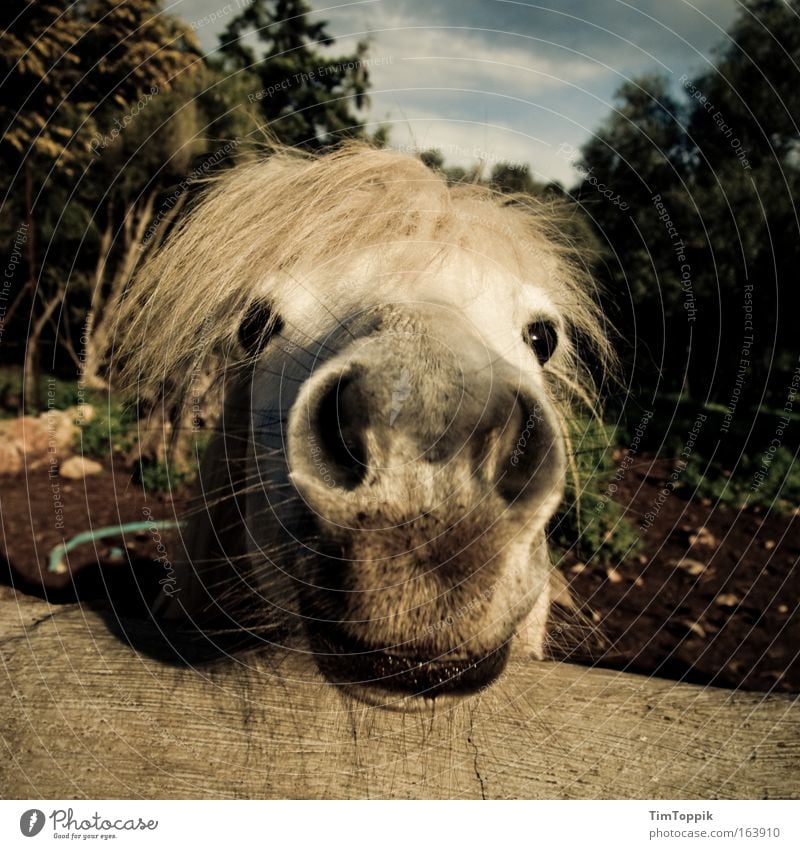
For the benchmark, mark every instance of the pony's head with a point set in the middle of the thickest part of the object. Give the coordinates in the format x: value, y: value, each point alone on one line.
x: 399, y: 360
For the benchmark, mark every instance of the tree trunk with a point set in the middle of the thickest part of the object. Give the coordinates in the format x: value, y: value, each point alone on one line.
x: 31, y: 369
x: 31, y: 225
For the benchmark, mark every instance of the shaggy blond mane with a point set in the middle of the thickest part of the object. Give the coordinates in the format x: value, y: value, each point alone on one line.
x: 291, y: 213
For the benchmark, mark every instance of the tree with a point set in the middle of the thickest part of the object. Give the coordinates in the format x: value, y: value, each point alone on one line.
x: 308, y: 97
x: 89, y: 66
x: 512, y: 178
x: 634, y: 189
x: 36, y: 130
x: 745, y: 140
x: 751, y: 96
x: 718, y: 173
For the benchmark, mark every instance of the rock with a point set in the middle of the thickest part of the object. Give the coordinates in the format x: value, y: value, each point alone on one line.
x: 61, y: 430
x: 10, y: 458
x: 39, y: 439
x: 727, y: 600
x: 614, y: 576
x: 693, y: 567
x: 77, y: 468
x: 29, y: 433
x: 703, y: 536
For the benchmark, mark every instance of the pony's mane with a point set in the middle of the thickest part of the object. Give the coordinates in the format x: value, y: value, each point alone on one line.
x: 291, y: 212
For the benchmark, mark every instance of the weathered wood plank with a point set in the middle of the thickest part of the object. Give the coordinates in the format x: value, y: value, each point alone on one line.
x: 85, y: 715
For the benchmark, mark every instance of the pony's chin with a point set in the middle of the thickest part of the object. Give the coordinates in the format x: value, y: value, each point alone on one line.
x: 398, y: 681
x: 376, y: 697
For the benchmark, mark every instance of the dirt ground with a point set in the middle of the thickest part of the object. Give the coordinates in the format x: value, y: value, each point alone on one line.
x: 710, y: 597
x: 31, y: 507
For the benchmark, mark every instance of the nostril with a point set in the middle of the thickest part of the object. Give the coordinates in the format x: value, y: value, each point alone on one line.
x: 530, y: 452
x: 340, y: 424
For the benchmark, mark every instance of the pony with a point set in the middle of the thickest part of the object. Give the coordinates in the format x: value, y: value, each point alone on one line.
x: 399, y: 358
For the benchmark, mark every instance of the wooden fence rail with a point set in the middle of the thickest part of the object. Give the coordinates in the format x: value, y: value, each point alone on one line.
x: 84, y: 714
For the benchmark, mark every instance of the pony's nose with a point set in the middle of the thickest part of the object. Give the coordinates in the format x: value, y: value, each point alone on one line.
x: 346, y: 434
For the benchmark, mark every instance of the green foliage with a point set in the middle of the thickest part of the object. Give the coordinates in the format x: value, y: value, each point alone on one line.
x: 513, y: 179
x: 155, y: 475
x: 603, y: 534
x: 110, y: 432
x: 433, y: 158
x: 709, y: 171
x: 57, y: 393
x: 222, y: 99
x: 89, y: 63
x: 634, y: 156
x: 34, y: 119
x: 110, y: 120
x: 780, y: 487
x: 81, y: 81
x: 590, y: 524
x: 769, y: 480
x: 753, y: 86
x: 309, y: 97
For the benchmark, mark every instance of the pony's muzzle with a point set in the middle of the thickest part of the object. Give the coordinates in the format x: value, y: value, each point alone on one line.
x: 427, y: 496
x: 356, y: 439
x: 359, y: 665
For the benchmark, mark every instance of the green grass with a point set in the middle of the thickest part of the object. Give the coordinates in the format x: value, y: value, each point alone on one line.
x: 590, y: 523
x: 769, y: 480
x: 733, y: 465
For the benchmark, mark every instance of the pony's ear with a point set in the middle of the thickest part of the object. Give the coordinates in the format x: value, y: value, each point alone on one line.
x: 259, y: 325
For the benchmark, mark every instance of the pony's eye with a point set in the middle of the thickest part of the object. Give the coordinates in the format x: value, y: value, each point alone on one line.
x: 259, y: 325
x: 542, y: 337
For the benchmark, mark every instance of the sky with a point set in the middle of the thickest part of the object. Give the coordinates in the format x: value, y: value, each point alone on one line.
x: 504, y: 80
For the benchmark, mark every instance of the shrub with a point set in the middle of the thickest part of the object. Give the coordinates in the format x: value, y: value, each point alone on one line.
x: 56, y: 394
x: 590, y: 524
x: 156, y: 475
x: 110, y: 432
x: 766, y: 480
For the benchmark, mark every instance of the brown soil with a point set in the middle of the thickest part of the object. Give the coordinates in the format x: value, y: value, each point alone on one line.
x: 32, y: 505
x: 717, y: 607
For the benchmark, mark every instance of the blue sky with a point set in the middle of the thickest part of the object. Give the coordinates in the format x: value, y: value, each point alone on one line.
x: 505, y: 79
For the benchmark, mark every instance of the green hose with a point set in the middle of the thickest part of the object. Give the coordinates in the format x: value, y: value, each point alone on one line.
x: 55, y: 560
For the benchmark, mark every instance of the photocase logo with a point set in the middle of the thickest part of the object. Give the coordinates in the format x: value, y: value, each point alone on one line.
x: 401, y: 389
x: 31, y: 822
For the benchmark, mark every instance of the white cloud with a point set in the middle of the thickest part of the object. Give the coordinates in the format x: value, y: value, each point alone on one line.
x: 510, y: 79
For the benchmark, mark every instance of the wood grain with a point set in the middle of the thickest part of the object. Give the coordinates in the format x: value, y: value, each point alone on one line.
x: 84, y: 715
